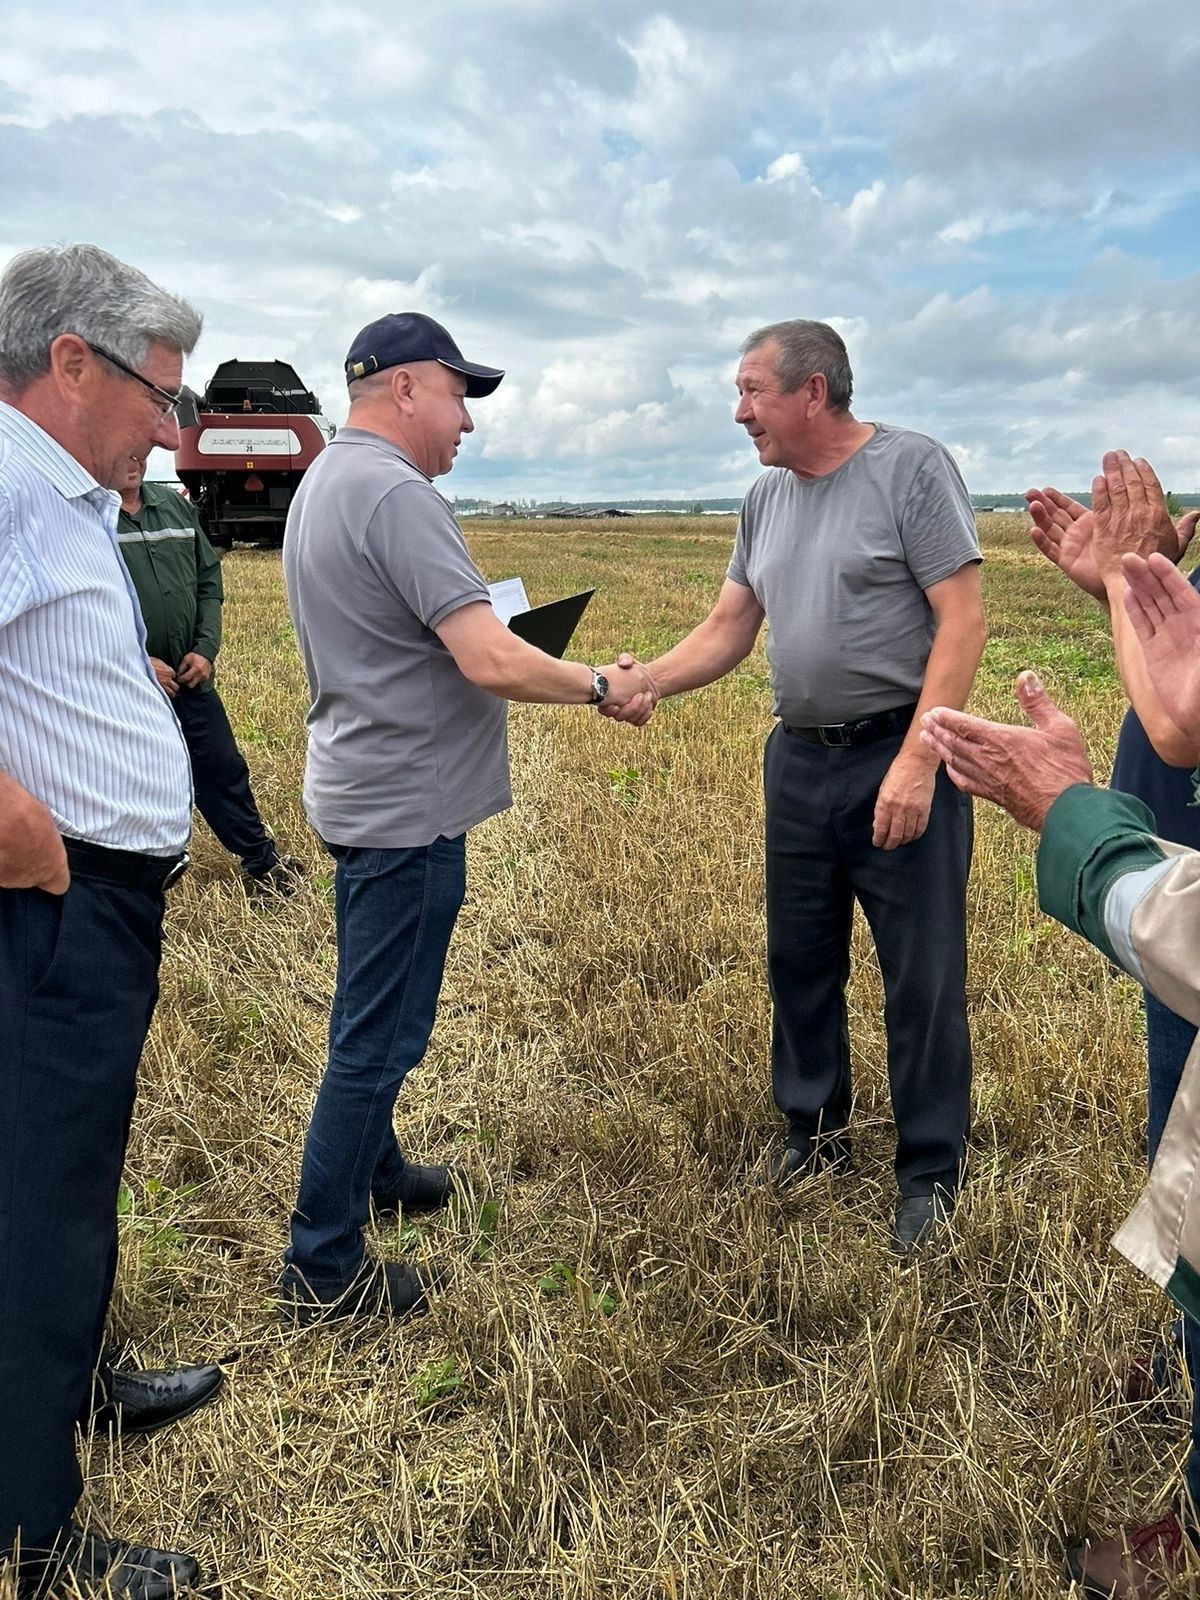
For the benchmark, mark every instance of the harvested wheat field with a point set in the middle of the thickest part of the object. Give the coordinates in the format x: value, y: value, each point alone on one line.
x: 648, y: 1376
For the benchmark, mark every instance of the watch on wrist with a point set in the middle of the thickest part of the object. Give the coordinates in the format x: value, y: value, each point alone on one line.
x: 599, y: 688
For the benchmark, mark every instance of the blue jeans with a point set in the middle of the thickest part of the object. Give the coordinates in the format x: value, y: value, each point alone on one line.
x: 395, y: 911
x: 1168, y: 1041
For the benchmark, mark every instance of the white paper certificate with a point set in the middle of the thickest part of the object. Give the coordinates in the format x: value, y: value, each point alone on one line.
x: 508, y: 598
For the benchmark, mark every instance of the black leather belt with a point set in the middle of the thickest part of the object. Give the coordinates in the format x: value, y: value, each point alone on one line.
x: 840, y: 735
x: 129, y: 869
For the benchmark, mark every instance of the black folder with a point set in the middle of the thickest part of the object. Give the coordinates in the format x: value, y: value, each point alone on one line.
x: 550, y: 627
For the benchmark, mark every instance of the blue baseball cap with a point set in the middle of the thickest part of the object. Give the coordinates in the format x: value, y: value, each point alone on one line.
x: 405, y: 336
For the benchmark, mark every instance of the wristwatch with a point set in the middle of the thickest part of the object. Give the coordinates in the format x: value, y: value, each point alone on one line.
x: 599, y: 688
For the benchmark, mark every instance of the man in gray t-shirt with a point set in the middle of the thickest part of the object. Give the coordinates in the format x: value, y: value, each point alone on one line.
x: 402, y: 747
x: 858, y: 547
x: 409, y: 670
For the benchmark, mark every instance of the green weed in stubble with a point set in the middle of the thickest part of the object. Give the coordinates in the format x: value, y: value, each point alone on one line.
x: 623, y: 782
x: 146, y: 1221
x: 562, y: 1280
x: 436, y: 1382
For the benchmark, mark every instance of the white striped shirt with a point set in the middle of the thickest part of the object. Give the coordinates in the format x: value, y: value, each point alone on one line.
x: 84, y: 725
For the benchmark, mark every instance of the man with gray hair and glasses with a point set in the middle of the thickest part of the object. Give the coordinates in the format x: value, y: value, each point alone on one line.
x: 858, y: 546
x: 95, y: 813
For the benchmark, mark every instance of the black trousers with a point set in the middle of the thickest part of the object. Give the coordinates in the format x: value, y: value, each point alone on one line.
x: 820, y: 859
x: 221, y: 779
x: 79, y: 976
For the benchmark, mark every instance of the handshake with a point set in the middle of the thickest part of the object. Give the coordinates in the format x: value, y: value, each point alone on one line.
x: 632, y: 692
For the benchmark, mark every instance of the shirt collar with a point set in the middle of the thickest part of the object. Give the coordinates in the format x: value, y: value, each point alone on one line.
x: 72, y: 480
x: 365, y: 436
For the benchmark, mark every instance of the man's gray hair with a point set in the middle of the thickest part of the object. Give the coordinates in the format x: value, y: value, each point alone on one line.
x: 81, y: 289
x: 805, y: 348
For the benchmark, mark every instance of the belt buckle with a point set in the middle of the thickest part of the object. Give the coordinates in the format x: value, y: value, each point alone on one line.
x: 177, y: 871
x: 841, y: 728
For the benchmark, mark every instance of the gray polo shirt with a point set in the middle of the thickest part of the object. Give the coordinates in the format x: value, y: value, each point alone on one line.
x: 840, y: 564
x: 402, y: 747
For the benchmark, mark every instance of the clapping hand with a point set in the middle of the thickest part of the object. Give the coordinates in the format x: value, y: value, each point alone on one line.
x: 1022, y: 769
x: 1129, y: 514
x: 1165, y: 612
x: 1062, y: 531
x: 1062, y: 528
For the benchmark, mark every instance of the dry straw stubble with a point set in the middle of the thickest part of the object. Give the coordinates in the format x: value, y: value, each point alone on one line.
x: 648, y: 1376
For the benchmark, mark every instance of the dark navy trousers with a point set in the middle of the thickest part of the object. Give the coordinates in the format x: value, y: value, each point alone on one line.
x: 221, y: 780
x: 820, y: 804
x: 80, y: 979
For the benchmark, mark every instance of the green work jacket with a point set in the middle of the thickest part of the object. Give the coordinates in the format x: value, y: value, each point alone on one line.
x: 1102, y: 872
x: 177, y: 575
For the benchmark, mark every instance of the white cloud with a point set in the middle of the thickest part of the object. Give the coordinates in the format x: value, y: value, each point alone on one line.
x: 676, y: 77
x: 874, y: 60
x: 605, y: 199
x: 789, y: 165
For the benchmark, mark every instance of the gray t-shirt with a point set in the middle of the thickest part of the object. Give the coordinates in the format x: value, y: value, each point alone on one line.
x: 402, y: 747
x: 839, y: 564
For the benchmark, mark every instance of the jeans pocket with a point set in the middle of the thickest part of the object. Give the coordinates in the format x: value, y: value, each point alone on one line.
x: 447, y: 868
x: 354, y: 862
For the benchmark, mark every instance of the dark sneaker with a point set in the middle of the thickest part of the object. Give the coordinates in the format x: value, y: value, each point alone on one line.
x: 382, y: 1289
x: 423, y: 1189
x: 1140, y: 1563
x: 803, y: 1156
x: 918, y: 1218
x: 281, y: 880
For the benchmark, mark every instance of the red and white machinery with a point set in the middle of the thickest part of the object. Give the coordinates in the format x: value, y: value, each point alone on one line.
x: 256, y: 432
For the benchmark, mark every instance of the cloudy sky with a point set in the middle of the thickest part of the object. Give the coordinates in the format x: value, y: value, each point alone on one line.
x: 998, y: 205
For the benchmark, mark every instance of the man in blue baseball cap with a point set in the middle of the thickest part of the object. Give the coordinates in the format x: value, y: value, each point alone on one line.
x: 405, y: 337
x: 410, y: 670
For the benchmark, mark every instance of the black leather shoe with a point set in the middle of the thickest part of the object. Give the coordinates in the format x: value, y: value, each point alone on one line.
x: 382, y: 1289
x: 423, y: 1189
x: 107, y: 1569
x: 144, y: 1402
x: 804, y: 1156
x: 918, y: 1218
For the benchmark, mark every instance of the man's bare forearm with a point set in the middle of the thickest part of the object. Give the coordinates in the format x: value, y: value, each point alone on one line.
x: 701, y: 658
x: 711, y: 650
x: 954, y: 659
x: 496, y: 659
x: 516, y: 670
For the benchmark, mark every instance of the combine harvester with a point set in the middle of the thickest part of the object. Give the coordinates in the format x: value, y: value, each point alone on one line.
x: 257, y: 429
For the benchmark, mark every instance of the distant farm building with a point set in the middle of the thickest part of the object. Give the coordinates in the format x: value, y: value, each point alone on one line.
x: 582, y: 513
x: 498, y: 508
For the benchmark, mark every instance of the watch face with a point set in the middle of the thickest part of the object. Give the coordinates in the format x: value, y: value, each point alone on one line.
x: 599, y: 687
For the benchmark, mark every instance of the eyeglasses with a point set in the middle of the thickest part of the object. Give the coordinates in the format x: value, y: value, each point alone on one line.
x: 172, y: 400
